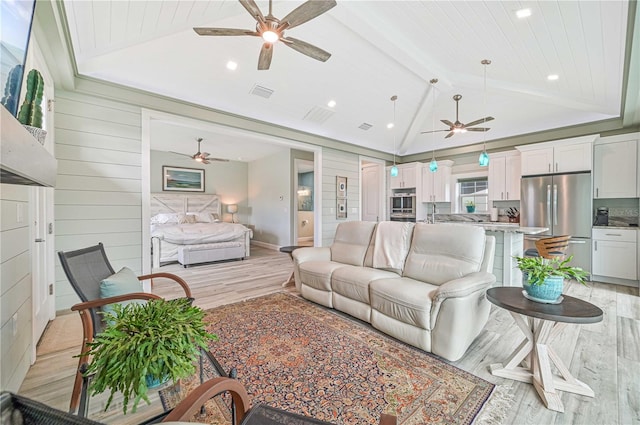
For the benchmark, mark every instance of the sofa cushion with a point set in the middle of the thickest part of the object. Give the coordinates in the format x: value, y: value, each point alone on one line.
x: 351, y: 242
x: 353, y: 282
x: 443, y: 252
x: 317, y: 274
x: 404, y: 299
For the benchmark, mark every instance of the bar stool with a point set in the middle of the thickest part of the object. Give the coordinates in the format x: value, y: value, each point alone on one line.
x: 554, y: 247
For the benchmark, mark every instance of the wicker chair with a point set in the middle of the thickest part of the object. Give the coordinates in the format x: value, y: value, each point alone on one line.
x: 86, y: 268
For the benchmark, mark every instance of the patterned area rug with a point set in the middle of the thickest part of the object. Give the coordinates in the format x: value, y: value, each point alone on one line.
x: 298, y: 356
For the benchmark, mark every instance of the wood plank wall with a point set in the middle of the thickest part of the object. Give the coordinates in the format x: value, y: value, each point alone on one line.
x: 15, y: 286
x: 98, y: 193
x: 338, y: 163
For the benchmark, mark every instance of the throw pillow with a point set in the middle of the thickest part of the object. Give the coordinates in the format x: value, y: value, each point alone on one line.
x: 186, y: 219
x: 121, y: 283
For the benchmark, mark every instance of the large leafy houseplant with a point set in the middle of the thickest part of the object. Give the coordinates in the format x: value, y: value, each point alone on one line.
x: 142, y: 342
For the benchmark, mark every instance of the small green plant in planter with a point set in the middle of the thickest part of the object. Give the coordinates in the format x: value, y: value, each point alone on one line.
x: 471, y: 206
x: 143, y: 342
x: 543, y: 278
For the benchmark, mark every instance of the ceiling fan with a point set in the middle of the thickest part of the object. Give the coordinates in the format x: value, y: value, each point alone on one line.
x: 271, y: 29
x: 458, y: 127
x: 202, y: 157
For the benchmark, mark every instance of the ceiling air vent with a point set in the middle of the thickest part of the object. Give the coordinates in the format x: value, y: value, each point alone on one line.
x: 365, y: 126
x: 318, y: 114
x: 261, y: 91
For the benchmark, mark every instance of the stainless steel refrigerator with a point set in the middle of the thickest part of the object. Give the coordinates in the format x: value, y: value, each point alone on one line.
x: 563, y: 203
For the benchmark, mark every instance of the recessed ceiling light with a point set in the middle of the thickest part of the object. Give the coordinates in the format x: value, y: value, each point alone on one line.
x: 523, y: 13
x: 552, y: 77
x: 331, y: 103
x: 390, y: 125
x: 232, y: 65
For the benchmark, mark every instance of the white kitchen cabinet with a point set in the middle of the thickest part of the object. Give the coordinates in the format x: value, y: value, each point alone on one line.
x: 559, y: 156
x: 436, y: 187
x: 615, y: 253
x: 504, y: 176
x: 407, y: 176
x: 615, y: 167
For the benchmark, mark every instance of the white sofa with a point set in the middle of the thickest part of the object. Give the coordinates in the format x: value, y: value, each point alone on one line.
x: 423, y: 284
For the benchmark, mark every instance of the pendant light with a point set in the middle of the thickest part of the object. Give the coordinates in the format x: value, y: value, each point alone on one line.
x: 394, y: 169
x: 433, y: 165
x: 483, y: 159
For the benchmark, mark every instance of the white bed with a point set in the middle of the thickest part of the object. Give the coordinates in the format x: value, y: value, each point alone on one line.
x: 187, y: 228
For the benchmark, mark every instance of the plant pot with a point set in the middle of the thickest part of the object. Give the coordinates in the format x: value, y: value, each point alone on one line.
x: 155, y: 382
x: 549, y: 292
x: 471, y: 208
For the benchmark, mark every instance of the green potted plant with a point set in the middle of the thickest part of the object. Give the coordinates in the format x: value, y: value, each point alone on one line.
x: 543, y: 279
x: 30, y: 114
x: 471, y: 206
x: 146, y: 342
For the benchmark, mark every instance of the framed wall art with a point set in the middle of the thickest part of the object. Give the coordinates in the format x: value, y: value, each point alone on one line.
x: 182, y: 179
x: 341, y: 187
x: 341, y: 208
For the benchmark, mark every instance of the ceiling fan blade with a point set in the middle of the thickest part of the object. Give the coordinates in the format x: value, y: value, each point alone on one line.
x: 253, y: 10
x: 205, y: 161
x: 447, y: 122
x: 307, y: 11
x: 182, y: 154
x: 480, y: 121
x: 477, y: 129
x: 204, y: 154
x: 266, y: 53
x: 432, y: 131
x: 449, y: 135
x: 306, y: 48
x: 218, y: 159
x: 223, y: 31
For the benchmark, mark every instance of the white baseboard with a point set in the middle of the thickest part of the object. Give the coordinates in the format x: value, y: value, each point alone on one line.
x: 265, y: 245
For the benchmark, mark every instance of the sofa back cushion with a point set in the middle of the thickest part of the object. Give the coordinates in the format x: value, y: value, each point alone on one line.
x: 351, y: 242
x: 443, y: 252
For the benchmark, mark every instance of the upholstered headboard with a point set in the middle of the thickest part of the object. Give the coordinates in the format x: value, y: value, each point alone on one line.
x: 184, y: 203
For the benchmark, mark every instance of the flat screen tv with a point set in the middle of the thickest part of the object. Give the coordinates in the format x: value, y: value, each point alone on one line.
x: 16, y: 17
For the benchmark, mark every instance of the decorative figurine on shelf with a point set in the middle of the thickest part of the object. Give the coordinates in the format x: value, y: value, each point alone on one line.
x: 30, y: 115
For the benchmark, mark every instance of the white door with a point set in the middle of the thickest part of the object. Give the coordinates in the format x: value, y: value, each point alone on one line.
x: 371, y: 192
x: 41, y: 262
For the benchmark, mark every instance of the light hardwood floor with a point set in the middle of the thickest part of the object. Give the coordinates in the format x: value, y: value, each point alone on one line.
x: 605, y: 355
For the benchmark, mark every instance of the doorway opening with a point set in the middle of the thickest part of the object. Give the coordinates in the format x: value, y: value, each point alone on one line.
x: 304, y: 189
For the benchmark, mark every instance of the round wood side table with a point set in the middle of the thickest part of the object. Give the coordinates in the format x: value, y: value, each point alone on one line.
x: 541, y: 323
x: 289, y: 250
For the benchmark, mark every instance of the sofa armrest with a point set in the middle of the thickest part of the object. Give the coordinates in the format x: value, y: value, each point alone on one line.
x: 311, y: 253
x: 459, y: 288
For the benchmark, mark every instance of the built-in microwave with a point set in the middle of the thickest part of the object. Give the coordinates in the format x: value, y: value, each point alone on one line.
x: 402, y: 206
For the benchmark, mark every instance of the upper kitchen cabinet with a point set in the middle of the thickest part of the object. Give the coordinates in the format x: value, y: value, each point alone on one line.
x: 436, y: 187
x: 504, y: 176
x: 558, y: 156
x: 615, y: 167
x: 407, y: 176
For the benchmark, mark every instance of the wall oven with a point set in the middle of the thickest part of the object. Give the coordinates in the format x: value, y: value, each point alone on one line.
x: 402, y: 207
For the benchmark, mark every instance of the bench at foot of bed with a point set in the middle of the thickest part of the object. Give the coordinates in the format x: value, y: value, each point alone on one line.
x: 205, y: 253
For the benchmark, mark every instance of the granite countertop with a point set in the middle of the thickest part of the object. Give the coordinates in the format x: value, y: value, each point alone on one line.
x: 617, y: 227
x: 502, y: 227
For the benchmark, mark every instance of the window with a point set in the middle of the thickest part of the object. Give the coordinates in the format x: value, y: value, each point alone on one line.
x: 474, y: 190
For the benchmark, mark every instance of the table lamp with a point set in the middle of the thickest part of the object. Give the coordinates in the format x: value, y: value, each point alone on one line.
x: 232, y: 209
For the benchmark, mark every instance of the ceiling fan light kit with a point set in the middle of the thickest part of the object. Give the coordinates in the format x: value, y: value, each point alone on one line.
x: 271, y: 29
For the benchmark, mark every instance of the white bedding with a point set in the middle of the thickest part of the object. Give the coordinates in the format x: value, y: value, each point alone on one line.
x: 198, y: 233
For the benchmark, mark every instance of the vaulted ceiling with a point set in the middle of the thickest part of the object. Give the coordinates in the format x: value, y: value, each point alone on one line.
x: 378, y: 49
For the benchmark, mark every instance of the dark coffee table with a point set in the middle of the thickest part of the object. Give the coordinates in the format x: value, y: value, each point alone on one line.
x: 541, y: 323
x: 289, y: 250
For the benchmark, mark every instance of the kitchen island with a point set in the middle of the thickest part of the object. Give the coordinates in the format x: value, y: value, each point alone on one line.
x: 509, y: 244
